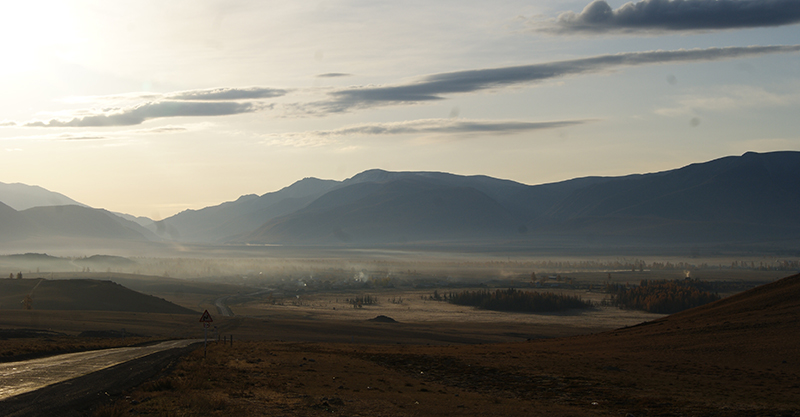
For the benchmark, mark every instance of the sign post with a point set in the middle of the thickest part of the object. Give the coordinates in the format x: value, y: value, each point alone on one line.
x: 206, y: 320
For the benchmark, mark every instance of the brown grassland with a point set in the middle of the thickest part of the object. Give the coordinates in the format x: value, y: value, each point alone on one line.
x: 736, y: 357
x: 318, y: 355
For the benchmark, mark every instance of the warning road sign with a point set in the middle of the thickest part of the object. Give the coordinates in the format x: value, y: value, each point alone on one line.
x: 206, y: 318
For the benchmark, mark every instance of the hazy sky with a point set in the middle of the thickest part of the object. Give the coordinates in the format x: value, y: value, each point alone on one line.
x: 153, y: 107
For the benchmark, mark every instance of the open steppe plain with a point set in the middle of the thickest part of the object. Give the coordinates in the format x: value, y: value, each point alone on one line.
x: 299, y: 356
x: 735, y: 357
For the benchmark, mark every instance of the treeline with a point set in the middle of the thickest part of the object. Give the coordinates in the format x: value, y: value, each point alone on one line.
x: 514, y: 300
x: 362, y: 300
x: 661, y: 296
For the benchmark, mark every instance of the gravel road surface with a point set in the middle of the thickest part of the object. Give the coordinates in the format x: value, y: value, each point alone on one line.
x: 63, y: 383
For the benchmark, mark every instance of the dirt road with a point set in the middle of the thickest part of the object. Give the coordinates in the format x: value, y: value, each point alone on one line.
x: 61, y: 384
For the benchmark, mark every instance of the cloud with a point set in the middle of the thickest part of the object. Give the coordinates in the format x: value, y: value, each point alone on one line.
x: 434, y: 87
x: 67, y: 136
x: 115, y: 135
x: 423, y: 126
x: 158, y: 130
x: 443, y: 126
x: 62, y: 136
x: 122, y: 110
x: 228, y: 94
x: 676, y: 15
x: 210, y: 94
x: 334, y: 75
x: 113, y: 98
x: 138, y: 114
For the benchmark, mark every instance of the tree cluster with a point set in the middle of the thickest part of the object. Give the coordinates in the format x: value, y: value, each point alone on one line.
x: 661, y: 296
x: 361, y: 301
x: 514, y: 300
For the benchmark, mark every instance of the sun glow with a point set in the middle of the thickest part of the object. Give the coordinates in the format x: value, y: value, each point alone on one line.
x: 32, y: 32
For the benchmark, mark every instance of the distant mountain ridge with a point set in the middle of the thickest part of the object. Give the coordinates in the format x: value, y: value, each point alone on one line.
x: 21, y: 197
x: 70, y: 221
x: 215, y: 223
x: 754, y: 196
x: 751, y: 198
x: 742, y: 201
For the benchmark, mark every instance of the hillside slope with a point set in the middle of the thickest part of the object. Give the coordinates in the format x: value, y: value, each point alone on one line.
x: 396, y: 211
x: 70, y: 221
x: 82, y: 294
x: 245, y: 214
x: 735, y: 203
x: 746, y: 200
x: 753, y: 197
x: 21, y: 196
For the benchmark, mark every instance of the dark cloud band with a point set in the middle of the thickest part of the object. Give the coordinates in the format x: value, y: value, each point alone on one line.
x: 138, y: 114
x: 434, y: 87
x: 445, y: 126
x: 333, y: 75
x: 677, y: 15
x: 228, y: 94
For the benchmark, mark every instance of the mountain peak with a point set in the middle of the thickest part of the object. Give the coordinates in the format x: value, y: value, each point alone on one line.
x: 372, y: 175
x: 21, y: 197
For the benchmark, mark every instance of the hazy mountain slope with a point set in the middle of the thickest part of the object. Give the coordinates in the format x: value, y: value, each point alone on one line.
x: 82, y: 222
x: 33, y: 262
x: 145, y: 222
x: 235, y: 219
x: 20, y: 197
x: 395, y: 211
x: 67, y: 222
x: 254, y: 219
x: 751, y: 198
x: 13, y: 224
x: 242, y: 215
x: 755, y: 196
x: 523, y: 201
x: 105, y: 262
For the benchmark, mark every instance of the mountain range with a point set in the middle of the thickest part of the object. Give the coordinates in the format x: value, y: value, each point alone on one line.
x: 746, y: 200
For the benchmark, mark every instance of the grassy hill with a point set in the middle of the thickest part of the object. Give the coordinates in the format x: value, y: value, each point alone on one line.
x: 82, y: 294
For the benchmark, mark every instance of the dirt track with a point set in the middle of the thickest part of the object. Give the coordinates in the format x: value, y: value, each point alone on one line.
x: 74, y: 397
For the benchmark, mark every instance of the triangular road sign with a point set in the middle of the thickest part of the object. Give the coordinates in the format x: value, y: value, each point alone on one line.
x: 206, y: 317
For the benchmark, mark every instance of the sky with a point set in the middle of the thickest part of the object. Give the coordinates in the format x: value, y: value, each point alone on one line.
x: 151, y: 107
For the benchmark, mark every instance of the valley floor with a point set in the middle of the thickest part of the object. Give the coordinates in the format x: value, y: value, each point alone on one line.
x: 585, y: 375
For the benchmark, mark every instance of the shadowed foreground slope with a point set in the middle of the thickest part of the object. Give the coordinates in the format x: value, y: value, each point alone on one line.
x: 82, y: 294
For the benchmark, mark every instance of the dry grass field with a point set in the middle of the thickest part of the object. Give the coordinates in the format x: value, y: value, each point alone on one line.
x: 21, y: 348
x: 735, y: 357
x: 311, y: 353
x: 414, y: 308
